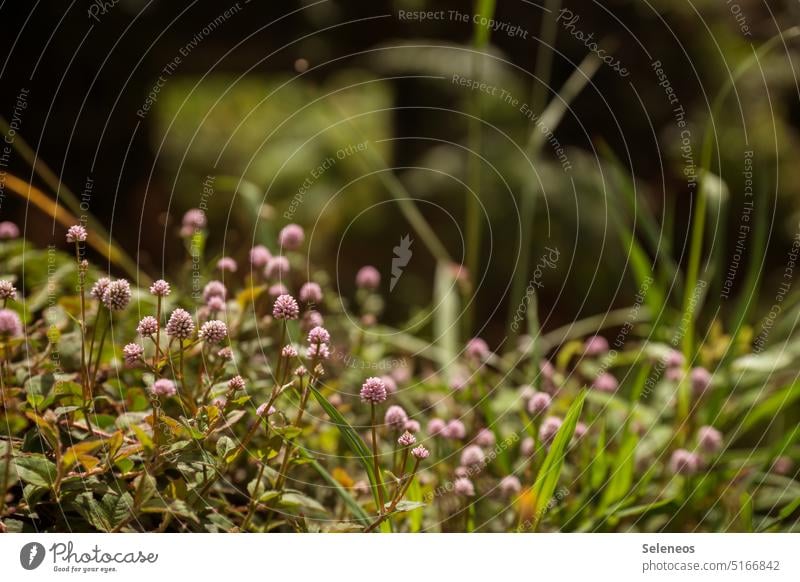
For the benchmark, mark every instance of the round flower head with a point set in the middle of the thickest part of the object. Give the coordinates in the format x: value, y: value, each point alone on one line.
x: 526, y: 447
x: 395, y: 417
x: 605, y: 382
x: 289, y: 351
x: 285, y: 307
x: 580, y: 430
x: 461, y: 472
x: 701, y: 381
x: 76, y: 233
x: 220, y: 402
x: 455, y: 430
x: 673, y: 359
x: 709, y: 439
x: 236, y: 383
x: 412, y: 426
x: 549, y: 428
x: 373, y: 390
x: 312, y: 319
x: 684, y: 462
x: 368, y: 278
x: 472, y: 456
x: 226, y: 354
x: 99, y: 288
x: 548, y: 370
x: 117, y: 295
x: 458, y: 381
x: 310, y: 293
x: 318, y: 351
x: 420, y: 452
x: 214, y: 331
x: 8, y: 230
x: 319, y: 335
x: 782, y: 466
x: 262, y: 410
x: 464, y: 487
x: 216, y: 304
x: 526, y: 392
x: 180, y: 324
x: 10, y: 323
x: 227, y: 265
x: 301, y: 372
x: 406, y: 439
x: 674, y: 374
x: 477, y: 349
x: 510, y: 485
x: 436, y: 426
x: 277, y: 267
x: 291, y: 237
x: 595, y: 346
x: 193, y: 220
x: 133, y: 354
x: 538, y: 403
x: 485, y: 438
x: 147, y: 326
x: 7, y: 290
x: 164, y: 387
x: 214, y: 289
x: 277, y: 290
x: 160, y: 288
x: 391, y: 385
x: 259, y: 256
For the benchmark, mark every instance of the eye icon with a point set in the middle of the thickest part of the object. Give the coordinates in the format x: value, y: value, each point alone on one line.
x: 31, y: 555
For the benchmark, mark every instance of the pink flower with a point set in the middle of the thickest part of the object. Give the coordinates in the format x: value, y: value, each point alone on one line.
x: 318, y: 351
x: 291, y: 237
x: 319, y: 335
x: 312, y: 319
x: 580, y: 430
x: 701, y: 381
x: 216, y: 304
x: 147, y: 326
x: 395, y: 417
x: 595, y: 346
x: 164, y: 387
x: 310, y: 293
x: 538, y: 403
x: 412, y: 426
x: 436, y: 426
x: 709, y: 439
x: 526, y: 447
x: 99, y: 288
x: 454, y: 430
x: 673, y: 359
x: 214, y: 331
x: 236, y: 383
x: 472, y: 456
x: 782, y: 466
x: 510, y: 485
x: 684, y: 462
x: 420, y: 452
x: 477, y: 349
x: 193, y: 220
x: 227, y: 265
x: 373, y: 391
x: 214, y: 289
x: 549, y: 428
x: 7, y: 290
x: 160, y: 288
x: 133, y: 354
x: 277, y: 290
x: 76, y: 233
x: 368, y: 278
x: 289, y: 351
x: 225, y: 353
x: 277, y: 267
x: 391, y: 385
x: 464, y: 487
x: 605, y: 382
x: 485, y: 438
x: 8, y: 230
x: 180, y: 324
x: 117, y: 295
x: 262, y: 410
x: 259, y: 256
x: 406, y: 439
x: 285, y: 307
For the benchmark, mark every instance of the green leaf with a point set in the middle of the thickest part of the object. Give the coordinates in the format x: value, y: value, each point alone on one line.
x: 35, y: 469
x: 293, y: 500
x: 407, y: 505
x: 547, y: 479
x: 350, y: 436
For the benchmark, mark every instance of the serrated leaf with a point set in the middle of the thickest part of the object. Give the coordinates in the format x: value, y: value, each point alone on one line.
x: 35, y: 469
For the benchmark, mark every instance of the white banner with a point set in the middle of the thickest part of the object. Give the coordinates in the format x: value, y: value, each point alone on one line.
x: 401, y: 558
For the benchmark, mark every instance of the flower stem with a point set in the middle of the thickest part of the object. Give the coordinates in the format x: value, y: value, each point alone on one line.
x: 376, y: 468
